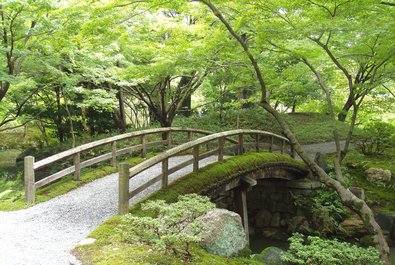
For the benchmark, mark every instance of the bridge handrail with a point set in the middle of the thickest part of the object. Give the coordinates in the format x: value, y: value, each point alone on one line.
x: 49, y: 160
x: 127, y: 173
x: 30, y: 166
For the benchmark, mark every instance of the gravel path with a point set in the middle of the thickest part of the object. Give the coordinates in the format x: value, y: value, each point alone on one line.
x: 328, y: 147
x: 45, y: 233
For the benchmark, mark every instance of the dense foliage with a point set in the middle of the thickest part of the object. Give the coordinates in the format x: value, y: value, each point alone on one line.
x: 315, y: 250
x: 173, y: 227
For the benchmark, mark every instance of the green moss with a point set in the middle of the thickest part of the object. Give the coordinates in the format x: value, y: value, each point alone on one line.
x: 119, y: 253
x: 358, y: 205
x: 15, y: 201
x: 111, y: 248
x: 379, y: 197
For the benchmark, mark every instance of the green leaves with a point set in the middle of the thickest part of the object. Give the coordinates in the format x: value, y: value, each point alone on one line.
x: 318, y: 251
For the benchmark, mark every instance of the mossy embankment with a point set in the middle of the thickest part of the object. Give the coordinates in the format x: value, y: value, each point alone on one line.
x: 380, y: 197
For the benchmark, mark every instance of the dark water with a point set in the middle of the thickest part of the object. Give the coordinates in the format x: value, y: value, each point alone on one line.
x: 259, y: 244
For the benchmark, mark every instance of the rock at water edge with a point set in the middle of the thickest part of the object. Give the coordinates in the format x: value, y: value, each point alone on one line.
x: 223, y: 232
x: 270, y: 256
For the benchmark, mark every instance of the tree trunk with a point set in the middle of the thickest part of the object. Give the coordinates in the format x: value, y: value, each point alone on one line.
x: 347, y: 106
x: 122, y: 116
x: 186, y: 106
x: 85, y: 127
x: 58, y: 118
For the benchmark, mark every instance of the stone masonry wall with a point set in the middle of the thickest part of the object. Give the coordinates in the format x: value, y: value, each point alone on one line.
x: 271, y: 209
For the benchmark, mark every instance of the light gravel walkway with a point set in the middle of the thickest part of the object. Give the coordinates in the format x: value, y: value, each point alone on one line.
x: 45, y: 233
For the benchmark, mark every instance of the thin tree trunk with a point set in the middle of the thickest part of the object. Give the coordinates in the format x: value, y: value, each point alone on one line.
x: 58, y: 118
x: 72, y: 132
x: 122, y: 116
x: 347, y: 106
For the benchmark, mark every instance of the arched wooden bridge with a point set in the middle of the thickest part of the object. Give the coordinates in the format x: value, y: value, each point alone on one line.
x: 174, y: 141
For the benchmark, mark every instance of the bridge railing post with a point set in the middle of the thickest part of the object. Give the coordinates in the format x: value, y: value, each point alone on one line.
x: 168, y: 139
x: 196, y: 158
x: 241, y: 144
x: 190, y: 133
x: 29, y: 179
x: 123, y: 186
x: 221, y: 143
x: 257, y: 141
x: 165, y: 172
x: 77, y: 166
x: 271, y: 144
x: 114, y: 154
x: 143, y: 146
x: 293, y: 153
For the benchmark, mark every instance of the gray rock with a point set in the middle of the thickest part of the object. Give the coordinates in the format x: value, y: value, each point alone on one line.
x: 320, y: 159
x: 270, y: 256
x: 392, y: 232
x: 263, y: 218
x: 385, y: 220
x: 298, y: 224
x: 378, y: 175
x: 223, y: 233
x: 275, y: 220
x: 359, y: 192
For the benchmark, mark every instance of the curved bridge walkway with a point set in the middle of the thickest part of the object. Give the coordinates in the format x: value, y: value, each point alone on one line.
x: 45, y: 233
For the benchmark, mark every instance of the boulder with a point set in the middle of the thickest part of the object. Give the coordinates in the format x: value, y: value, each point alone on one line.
x: 392, y: 232
x: 320, y: 159
x: 263, y: 218
x: 270, y: 256
x: 385, y: 220
x: 359, y: 192
x: 223, y: 233
x: 354, y: 227
x: 378, y: 175
x: 299, y: 224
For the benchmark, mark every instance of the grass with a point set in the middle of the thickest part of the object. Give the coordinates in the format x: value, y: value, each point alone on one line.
x: 111, y: 248
x: 8, y: 158
x: 315, y: 127
x: 379, y: 196
x: 13, y: 191
x: 308, y: 127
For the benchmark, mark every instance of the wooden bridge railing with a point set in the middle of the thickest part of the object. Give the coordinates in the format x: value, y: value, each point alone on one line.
x: 273, y: 143
x: 30, y: 166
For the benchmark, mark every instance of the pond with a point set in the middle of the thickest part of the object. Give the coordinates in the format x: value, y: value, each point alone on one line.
x: 257, y: 244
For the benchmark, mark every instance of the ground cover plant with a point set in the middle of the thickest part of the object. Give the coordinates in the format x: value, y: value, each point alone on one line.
x: 314, y: 250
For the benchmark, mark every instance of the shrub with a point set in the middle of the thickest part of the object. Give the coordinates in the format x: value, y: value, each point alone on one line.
x: 376, y: 138
x: 318, y: 251
x: 325, y: 210
x: 170, y: 227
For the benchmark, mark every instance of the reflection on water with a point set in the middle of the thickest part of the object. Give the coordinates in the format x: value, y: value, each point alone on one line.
x: 258, y: 244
